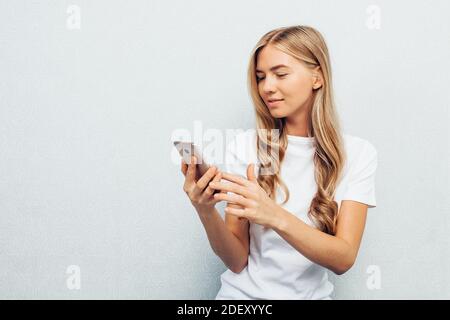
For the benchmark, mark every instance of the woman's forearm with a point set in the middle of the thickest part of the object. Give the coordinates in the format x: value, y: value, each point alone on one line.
x: 329, y: 251
x: 223, y: 242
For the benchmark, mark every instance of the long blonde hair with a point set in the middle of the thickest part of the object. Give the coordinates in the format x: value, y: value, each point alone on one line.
x: 308, y: 46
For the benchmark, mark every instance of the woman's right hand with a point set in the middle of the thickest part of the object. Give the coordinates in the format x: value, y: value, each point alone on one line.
x: 199, y: 192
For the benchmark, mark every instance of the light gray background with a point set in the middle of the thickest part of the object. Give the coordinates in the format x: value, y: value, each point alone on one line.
x: 86, y: 118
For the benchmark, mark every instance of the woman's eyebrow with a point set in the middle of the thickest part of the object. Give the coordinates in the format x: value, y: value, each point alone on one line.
x: 274, y: 67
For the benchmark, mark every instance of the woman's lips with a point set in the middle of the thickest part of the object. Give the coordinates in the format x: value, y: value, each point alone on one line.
x: 274, y: 103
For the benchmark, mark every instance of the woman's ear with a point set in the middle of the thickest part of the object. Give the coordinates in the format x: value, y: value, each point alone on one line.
x: 317, y: 78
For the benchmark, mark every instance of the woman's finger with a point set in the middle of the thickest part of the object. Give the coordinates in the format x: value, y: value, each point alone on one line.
x: 236, y: 212
x: 233, y: 205
x: 234, y: 198
x: 209, y: 191
x: 184, y: 167
x: 190, y: 175
x: 202, y: 183
x: 231, y: 187
x: 237, y: 179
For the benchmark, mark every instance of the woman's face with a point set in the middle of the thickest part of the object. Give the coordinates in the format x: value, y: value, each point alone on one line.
x: 281, y: 76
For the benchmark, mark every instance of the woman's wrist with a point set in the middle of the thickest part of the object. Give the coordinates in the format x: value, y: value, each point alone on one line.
x: 204, y: 210
x: 280, y: 221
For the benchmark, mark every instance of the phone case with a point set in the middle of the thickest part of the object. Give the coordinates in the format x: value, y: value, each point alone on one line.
x: 186, y: 149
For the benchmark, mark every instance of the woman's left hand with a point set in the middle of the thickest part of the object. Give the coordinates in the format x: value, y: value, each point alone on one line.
x: 256, y: 205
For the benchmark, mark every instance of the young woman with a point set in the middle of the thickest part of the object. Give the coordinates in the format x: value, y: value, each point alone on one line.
x: 284, y: 229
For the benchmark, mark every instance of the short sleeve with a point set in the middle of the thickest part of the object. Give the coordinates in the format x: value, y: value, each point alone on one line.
x: 361, y: 184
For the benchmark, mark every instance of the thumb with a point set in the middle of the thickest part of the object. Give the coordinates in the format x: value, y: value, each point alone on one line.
x: 251, y: 172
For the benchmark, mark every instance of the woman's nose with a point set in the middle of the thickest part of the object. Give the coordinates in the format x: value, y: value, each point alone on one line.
x: 269, y: 85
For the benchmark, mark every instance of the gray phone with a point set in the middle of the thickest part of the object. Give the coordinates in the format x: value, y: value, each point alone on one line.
x: 186, y: 150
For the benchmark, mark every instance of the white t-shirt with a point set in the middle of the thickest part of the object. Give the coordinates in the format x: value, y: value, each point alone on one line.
x: 276, y: 270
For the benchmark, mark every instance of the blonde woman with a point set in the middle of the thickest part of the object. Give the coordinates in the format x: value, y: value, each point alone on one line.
x: 306, y: 214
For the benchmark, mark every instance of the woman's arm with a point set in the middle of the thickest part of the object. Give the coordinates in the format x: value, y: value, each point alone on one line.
x: 229, y: 239
x: 337, y: 253
x: 224, y: 242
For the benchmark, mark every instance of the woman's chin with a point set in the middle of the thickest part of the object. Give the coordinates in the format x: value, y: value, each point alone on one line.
x: 277, y: 114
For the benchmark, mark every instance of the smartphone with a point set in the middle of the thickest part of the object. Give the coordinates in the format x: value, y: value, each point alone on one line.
x: 186, y: 150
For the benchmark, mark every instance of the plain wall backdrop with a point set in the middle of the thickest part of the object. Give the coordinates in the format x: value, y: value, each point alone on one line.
x: 91, y: 205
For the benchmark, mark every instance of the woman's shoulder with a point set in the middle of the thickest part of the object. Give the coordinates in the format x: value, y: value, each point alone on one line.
x: 356, y: 145
x: 360, y: 153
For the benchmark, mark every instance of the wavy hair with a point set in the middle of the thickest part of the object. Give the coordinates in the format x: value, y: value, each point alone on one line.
x: 308, y: 46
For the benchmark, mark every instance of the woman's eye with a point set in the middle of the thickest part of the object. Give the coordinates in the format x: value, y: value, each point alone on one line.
x: 278, y: 75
